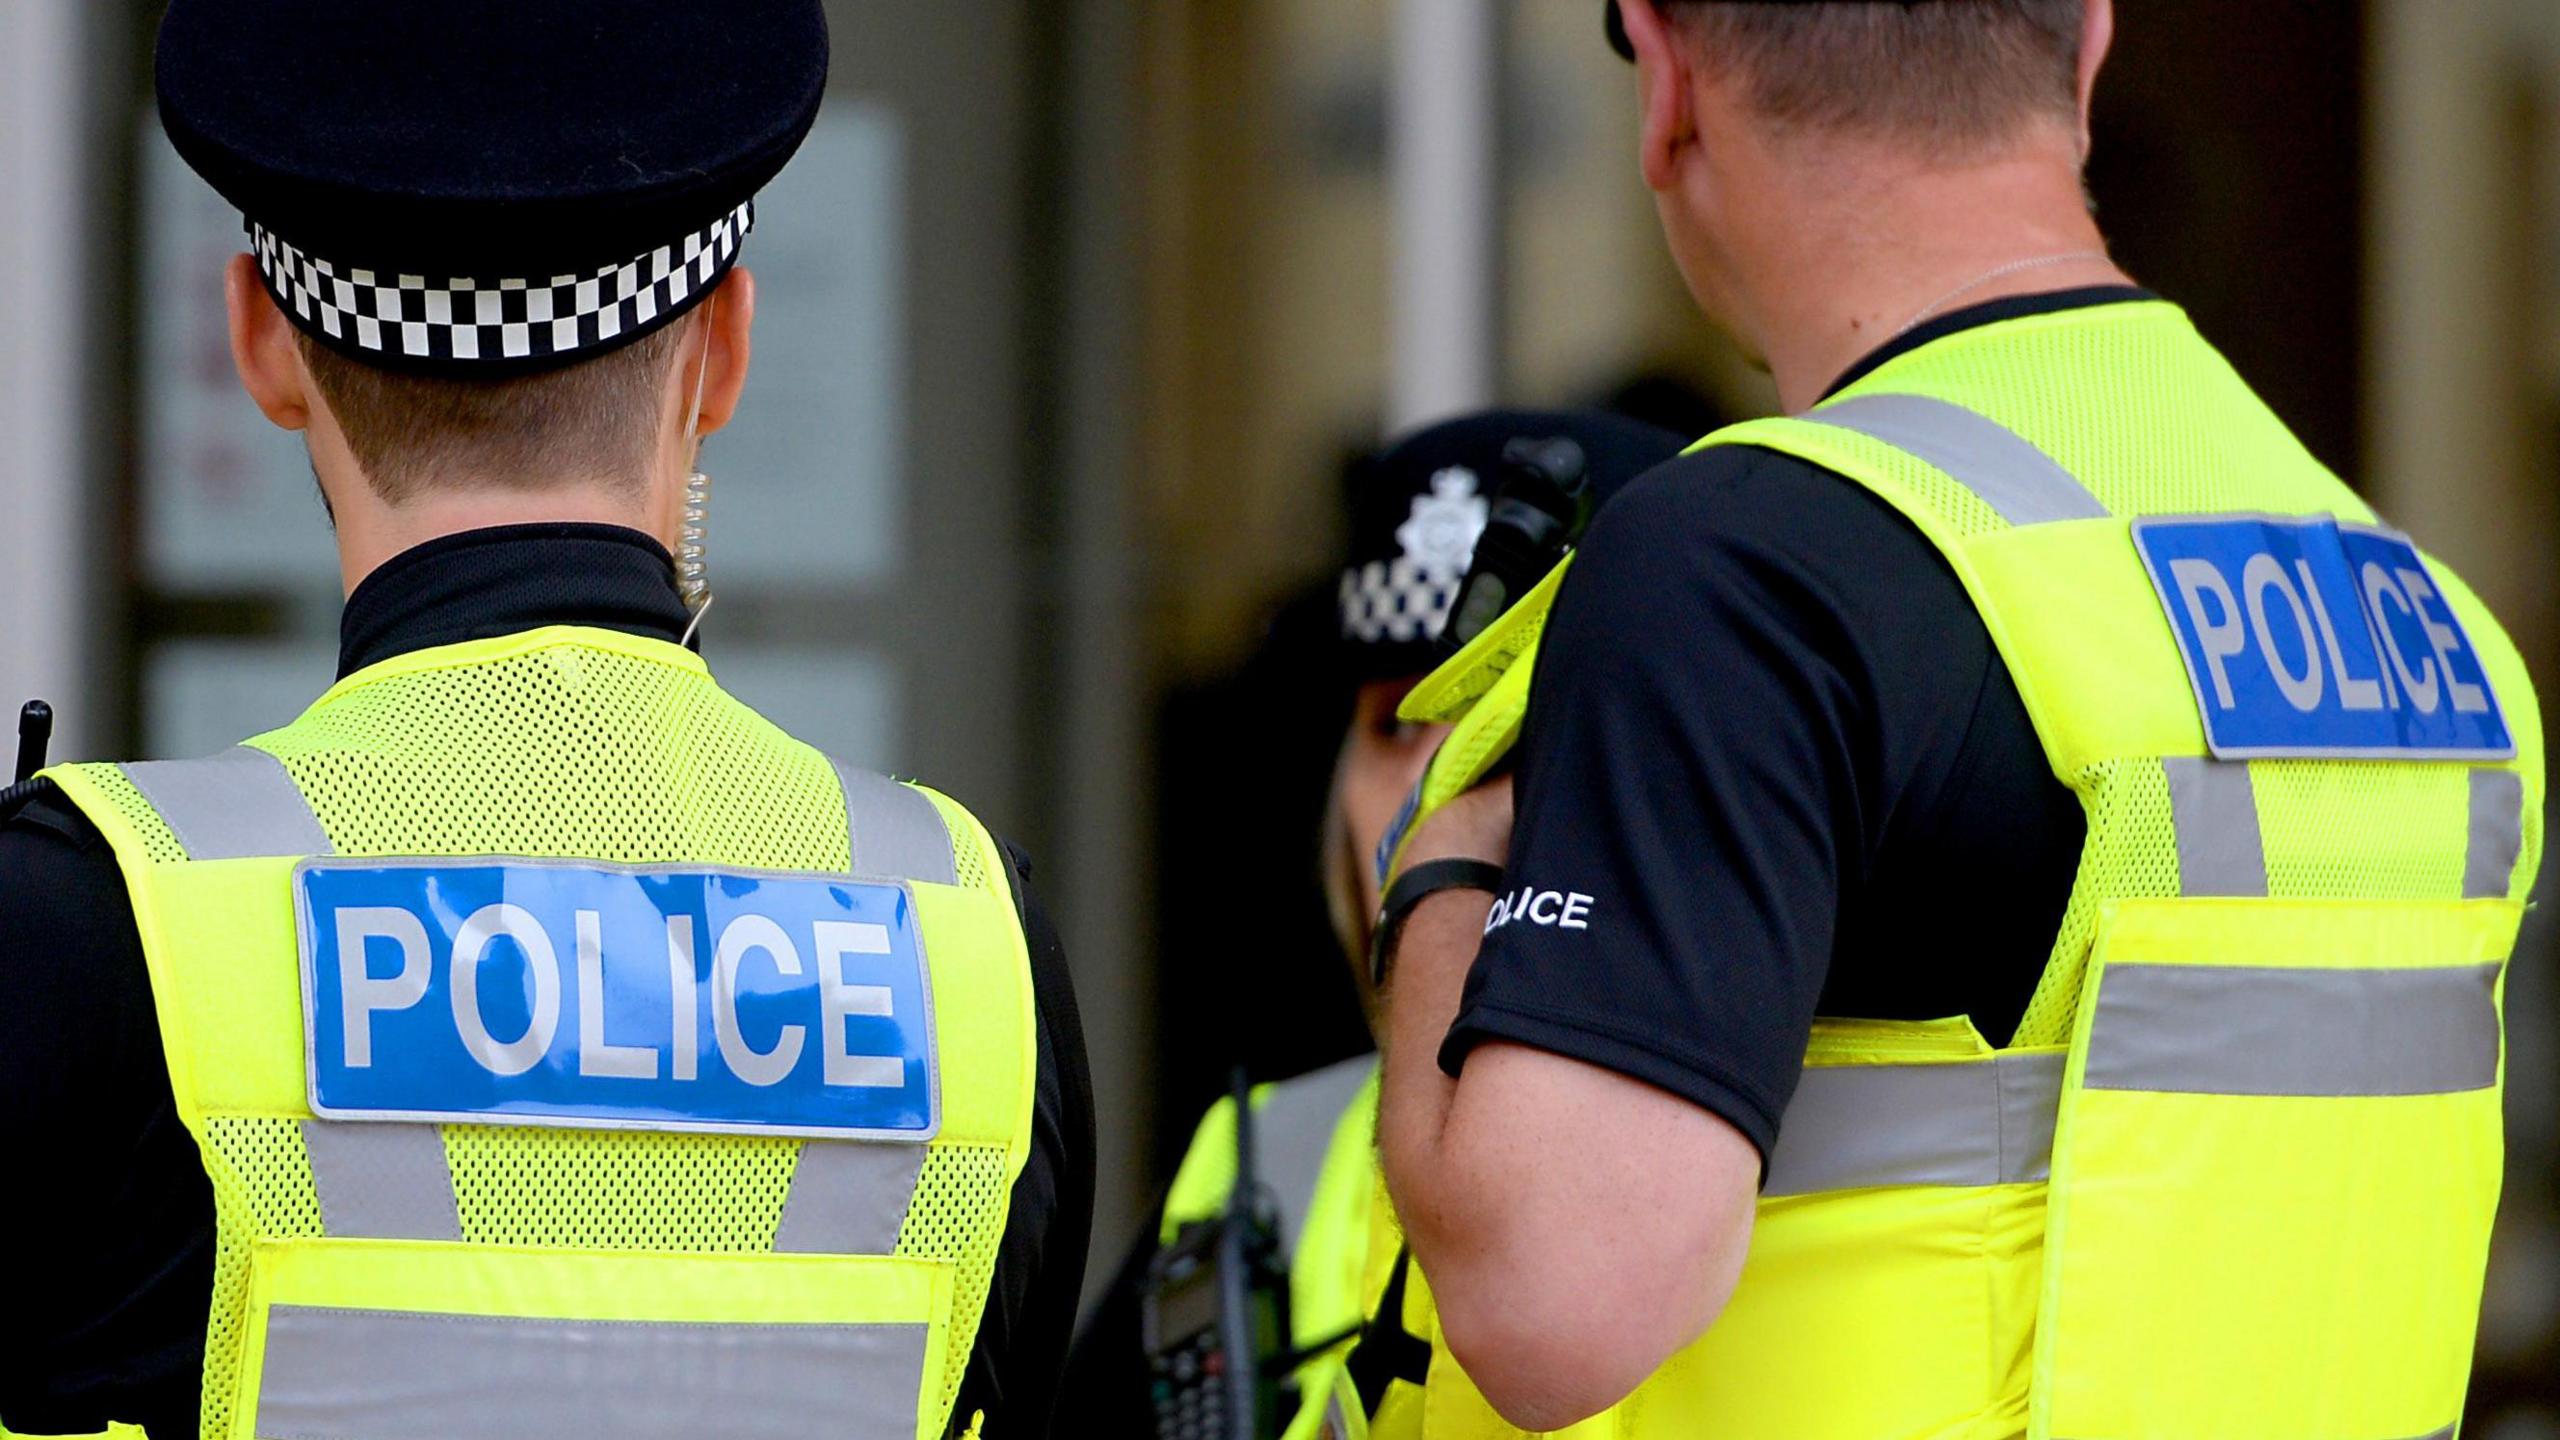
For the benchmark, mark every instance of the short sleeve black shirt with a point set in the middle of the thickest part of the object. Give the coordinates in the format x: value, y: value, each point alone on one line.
x: 101, y: 1185
x: 1773, y: 766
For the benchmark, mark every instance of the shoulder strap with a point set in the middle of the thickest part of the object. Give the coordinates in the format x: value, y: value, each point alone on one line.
x: 896, y: 831
x: 2004, y: 469
x: 1294, y: 1126
x: 230, y: 806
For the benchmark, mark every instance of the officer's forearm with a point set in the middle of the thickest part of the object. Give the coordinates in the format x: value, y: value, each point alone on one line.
x: 1457, y: 1240
x: 1437, y: 944
x: 1576, y: 1226
x: 1547, y: 1338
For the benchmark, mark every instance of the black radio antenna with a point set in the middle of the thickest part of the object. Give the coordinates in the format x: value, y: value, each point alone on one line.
x: 35, y: 734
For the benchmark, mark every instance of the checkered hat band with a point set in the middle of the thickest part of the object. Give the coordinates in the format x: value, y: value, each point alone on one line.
x: 461, y: 321
x: 1397, y: 601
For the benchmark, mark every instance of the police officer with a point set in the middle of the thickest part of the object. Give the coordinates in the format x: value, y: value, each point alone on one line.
x: 2030, y: 673
x: 1415, y: 510
x: 529, y: 1039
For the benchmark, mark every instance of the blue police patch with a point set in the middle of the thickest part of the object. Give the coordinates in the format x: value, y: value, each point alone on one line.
x: 602, y: 996
x: 2306, y: 637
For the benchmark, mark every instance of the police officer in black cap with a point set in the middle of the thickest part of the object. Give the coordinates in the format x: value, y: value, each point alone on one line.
x: 1416, y: 510
x: 530, y: 1039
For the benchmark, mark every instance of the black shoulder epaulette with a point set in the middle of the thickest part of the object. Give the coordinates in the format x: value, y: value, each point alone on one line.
x: 16, y: 797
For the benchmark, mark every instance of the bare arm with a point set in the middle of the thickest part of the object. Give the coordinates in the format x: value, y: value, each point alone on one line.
x: 1577, y: 1227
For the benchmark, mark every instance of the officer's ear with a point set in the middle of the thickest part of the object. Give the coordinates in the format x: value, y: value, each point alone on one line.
x: 2097, y: 34
x: 1665, y: 70
x: 731, y: 314
x: 262, y: 348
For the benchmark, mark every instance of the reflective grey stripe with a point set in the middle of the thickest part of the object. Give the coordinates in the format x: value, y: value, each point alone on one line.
x: 1293, y: 1129
x: 2216, y: 812
x: 2269, y: 1030
x: 232, y: 805
x: 2007, y: 471
x: 2447, y: 1433
x: 897, y: 833
x: 2497, y: 834
x: 848, y: 1197
x: 382, y: 1181
x: 1975, y: 1122
x: 1335, y: 1417
x: 335, y: 1374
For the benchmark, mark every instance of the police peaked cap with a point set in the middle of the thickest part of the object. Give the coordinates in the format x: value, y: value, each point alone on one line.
x: 479, y: 187
x: 1416, y: 507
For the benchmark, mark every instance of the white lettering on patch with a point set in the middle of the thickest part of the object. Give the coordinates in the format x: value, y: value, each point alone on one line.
x: 1547, y: 909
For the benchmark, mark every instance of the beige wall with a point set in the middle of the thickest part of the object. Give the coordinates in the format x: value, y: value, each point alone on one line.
x: 2463, y: 409
x: 2464, y: 376
x: 1266, y: 270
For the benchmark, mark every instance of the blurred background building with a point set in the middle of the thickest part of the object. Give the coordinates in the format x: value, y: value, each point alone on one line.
x: 1073, y: 310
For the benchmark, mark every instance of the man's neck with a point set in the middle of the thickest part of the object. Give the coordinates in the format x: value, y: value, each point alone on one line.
x: 371, y: 532
x: 1840, y: 267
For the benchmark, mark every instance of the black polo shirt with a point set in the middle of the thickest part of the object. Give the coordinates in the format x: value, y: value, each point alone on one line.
x: 101, y: 1189
x: 1777, y: 767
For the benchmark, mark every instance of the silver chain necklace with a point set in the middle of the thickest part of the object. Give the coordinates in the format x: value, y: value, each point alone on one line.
x: 1998, y: 272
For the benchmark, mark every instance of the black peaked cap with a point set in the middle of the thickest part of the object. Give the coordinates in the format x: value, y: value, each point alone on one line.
x: 491, y: 140
x: 1417, y: 506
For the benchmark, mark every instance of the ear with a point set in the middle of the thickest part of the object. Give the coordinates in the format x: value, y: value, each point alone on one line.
x: 2097, y: 34
x: 1663, y: 75
x: 262, y: 347
x: 732, y: 314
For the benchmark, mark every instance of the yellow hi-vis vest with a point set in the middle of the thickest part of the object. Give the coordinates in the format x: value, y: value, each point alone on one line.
x: 683, y: 1269
x: 1315, y: 1154
x: 2233, y: 1177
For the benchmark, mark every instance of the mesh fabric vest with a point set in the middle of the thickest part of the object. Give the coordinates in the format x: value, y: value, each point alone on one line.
x: 2235, y: 1173
x: 681, y: 1265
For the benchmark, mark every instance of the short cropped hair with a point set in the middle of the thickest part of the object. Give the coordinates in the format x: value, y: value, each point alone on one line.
x: 594, y: 419
x: 1951, y: 74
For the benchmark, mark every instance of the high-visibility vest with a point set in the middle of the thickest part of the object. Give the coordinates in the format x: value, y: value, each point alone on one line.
x: 2234, y: 1174
x: 744, y: 1176
x: 1315, y: 1156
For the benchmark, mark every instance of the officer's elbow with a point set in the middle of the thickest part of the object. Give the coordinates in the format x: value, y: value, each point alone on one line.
x: 1549, y: 1351
x: 1537, y: 1374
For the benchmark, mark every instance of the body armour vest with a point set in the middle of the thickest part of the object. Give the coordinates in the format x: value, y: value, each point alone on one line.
x: 2234, y: 1175
x: 571, y: 1051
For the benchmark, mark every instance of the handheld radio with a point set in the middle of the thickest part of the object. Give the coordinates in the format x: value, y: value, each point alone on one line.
x: 1215, y: 1315
x: 1539, y: 511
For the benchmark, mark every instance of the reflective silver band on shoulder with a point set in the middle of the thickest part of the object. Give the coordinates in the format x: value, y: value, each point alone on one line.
x: 382, y: 1180
x: 848, y: 1197
x: 344, y: 1374
x: 2215, y: 807
x: 2273, y: 1030
x: 230, y: 806
x: 1967, y: 1123
x: 2497, y: 834
x: 897, y: 834
x: 2020, y: 482
x: 1293, y: 1129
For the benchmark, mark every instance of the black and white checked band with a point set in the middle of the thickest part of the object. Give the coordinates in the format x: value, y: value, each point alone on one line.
x: 1397, y: 601
x: 462, y: 322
